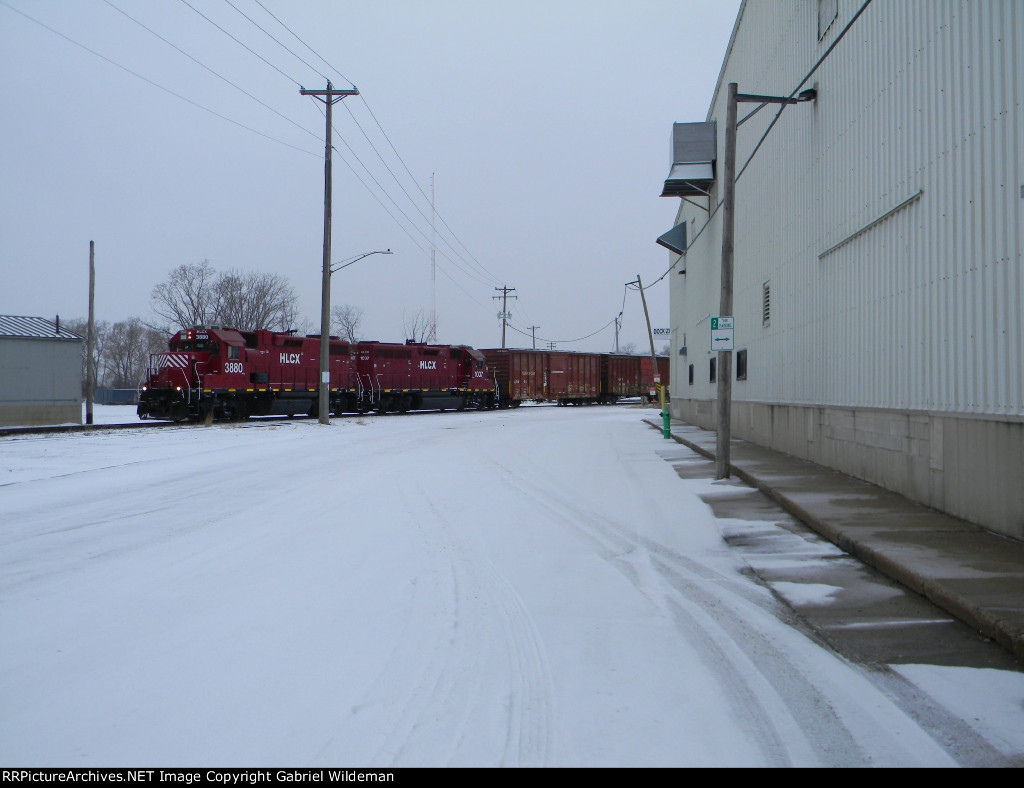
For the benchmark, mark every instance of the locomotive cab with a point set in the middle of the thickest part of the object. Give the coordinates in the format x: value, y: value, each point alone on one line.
x: 197, y: 359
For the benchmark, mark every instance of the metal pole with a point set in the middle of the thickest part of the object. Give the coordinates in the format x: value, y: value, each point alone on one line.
x: 725, y: 304
x: 90, y: 343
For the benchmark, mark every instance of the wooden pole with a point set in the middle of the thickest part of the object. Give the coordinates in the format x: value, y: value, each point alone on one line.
x: 725, y: 304
x: 654, y: 359
x: 325, y: 286
x: 328, y: 97
x: 90, y: 340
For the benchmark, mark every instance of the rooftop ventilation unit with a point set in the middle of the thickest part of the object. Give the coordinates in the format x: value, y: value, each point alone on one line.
x: 693, y: 160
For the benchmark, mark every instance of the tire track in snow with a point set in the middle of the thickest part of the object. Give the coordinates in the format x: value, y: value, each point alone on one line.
x: 431, y: 712
x: 492, y: 601
x: 785, y: 714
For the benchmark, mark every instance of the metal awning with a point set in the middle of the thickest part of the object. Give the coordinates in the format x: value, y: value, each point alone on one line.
x: 693, y: 160
x: 675, y: 239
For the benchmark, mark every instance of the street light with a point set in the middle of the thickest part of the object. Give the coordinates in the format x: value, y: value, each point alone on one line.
x: 325, y: 333
x: 693, y: 173
x: 349, y: 261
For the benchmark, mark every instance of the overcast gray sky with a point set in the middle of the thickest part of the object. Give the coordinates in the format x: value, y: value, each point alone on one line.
x: 546, y: 126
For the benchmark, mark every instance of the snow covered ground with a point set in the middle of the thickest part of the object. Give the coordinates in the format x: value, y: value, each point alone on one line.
x: 515, y: 588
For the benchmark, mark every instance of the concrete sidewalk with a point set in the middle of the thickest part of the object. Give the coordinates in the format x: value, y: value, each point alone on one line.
x: 973, y: 574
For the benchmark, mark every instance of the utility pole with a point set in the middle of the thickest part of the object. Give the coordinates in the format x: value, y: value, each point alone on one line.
x: 90, y: 342
x: 329, y: 97
x: 618, y: 325
x: 533, y: 331
x: 728, y: 233
x: 432, y: 336
x: 725, y: 302
x: 654, y: 362
x: 504, y: 314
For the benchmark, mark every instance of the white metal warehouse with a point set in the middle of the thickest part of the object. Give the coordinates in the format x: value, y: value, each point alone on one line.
x: 40, y: 372
x: 879, y: 286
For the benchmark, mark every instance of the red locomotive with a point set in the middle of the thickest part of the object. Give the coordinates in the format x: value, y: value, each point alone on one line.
x: 236, y: 374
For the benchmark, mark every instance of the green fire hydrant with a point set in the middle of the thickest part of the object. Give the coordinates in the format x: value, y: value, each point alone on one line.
x: 666, y: 430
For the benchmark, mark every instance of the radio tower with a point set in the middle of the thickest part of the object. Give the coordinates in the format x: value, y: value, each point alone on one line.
x: 432, y: 337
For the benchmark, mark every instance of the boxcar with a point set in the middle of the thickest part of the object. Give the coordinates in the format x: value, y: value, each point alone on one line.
x: 545, y: 376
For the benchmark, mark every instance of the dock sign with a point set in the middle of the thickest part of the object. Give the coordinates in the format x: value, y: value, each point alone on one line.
x: 721, y: 333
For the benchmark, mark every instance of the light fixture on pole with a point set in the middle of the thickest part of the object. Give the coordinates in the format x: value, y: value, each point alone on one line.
x: 349, y: 261
x: 329, y: 97
x: 692, y: 174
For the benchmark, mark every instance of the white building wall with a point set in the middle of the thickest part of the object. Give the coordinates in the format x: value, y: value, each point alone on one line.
x: 918, y: 314
x: 40, y: 381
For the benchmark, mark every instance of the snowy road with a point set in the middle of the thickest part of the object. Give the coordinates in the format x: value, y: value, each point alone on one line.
x: 532, y: 587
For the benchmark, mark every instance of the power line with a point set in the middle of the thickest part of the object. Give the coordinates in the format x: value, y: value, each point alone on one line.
x: 480, y: 266
x: 407, y: 217
x: 802, y: 82
x: 241, y: 44
x: 406, y: 193
x: 307, y: 46
x: 566, y: 341
x: 771, y: 125
x: 203, y: 65
x: 273, y: 38
x: 156, y: 84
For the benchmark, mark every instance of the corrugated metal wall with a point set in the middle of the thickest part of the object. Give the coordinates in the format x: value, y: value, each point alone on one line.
x: 921, y: 104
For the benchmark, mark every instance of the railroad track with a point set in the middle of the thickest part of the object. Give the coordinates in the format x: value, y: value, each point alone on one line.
x: 7, y: 432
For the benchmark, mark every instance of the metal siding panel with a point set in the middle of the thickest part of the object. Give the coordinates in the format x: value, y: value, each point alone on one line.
x: 920, y: 95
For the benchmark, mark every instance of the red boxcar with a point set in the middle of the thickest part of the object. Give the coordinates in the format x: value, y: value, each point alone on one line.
x: 620, y: 377
x: 545, y: 376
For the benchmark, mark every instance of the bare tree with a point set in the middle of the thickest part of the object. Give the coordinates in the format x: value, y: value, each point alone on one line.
x: 188, y: 297
x: 629, y: 349
x: 416, y: 326
x: 666, y: 350
x: 80, y: 326
x: 126, y: 353
x: 250, y: 301
x: 345, y: 322
x: 197, y: 294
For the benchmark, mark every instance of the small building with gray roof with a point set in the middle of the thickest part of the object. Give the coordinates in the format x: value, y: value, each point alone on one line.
x: 40, y: 372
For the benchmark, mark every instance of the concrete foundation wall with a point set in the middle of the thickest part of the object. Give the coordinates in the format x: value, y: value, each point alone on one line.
x: 972, y: 468
x: 40, y: 415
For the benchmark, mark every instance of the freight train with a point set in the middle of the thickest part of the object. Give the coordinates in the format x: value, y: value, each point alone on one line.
x: 222, y: 373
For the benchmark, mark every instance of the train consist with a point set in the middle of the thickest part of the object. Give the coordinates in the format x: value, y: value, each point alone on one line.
x: 221, y: 373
